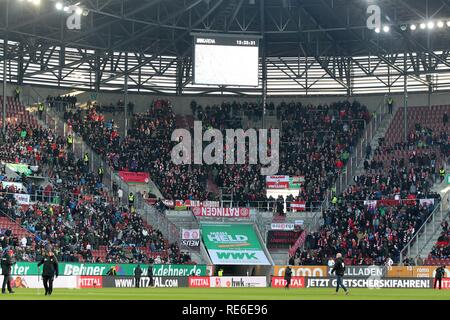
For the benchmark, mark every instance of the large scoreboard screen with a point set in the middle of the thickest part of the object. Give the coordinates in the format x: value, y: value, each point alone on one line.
x: 226, y: 60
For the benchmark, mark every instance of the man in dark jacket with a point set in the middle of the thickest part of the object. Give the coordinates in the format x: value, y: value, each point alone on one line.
x: 150, y: 274
x: 339, y: 269
x: 49, y: 271
x: 7, y: 262
x: 288, y: 276
x: 440, y: 273
x: 137, y: 275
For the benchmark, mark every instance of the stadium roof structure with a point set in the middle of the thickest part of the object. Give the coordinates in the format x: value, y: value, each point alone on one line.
x: 308, y: 47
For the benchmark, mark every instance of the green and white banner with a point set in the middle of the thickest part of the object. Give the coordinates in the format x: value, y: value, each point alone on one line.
x: 233, y: 244
x: 100, y: 269
x: 19, y: 168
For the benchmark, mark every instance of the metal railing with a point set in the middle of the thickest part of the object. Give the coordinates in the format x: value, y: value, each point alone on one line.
x: 159, y: 221
x: 270, y: 205
x: 406, y: 251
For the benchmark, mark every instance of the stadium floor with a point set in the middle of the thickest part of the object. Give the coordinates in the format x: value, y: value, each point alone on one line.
x: 227, y: 294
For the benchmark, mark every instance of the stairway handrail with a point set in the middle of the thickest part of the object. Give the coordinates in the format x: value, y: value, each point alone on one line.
x: 416, y: 235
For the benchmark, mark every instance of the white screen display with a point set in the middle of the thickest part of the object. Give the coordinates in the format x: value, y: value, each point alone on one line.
x: 222, y: 63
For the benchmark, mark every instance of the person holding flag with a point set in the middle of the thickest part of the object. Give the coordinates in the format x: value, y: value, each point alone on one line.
x: 49, y: 271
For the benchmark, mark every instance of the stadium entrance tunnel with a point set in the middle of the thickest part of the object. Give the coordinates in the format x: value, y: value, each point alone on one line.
x: 243, y: 270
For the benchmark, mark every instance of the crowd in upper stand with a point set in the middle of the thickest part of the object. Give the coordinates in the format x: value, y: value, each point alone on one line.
x: 316, y: 142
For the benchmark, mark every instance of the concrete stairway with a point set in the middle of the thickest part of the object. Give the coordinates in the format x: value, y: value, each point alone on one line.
x: 380, y: 133
x: 280, y: 256
x: 15, y: 227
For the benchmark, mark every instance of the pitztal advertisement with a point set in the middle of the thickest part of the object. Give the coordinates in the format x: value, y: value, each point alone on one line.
x: 233, y: 244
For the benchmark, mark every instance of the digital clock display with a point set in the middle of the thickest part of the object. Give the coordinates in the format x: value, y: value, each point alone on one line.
x: 246, y: 42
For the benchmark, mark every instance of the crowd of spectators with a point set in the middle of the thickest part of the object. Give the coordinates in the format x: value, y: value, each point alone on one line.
x: 82, y: 220
x: 375, y: 217
x: 316, y: 143
x: 441, y: 249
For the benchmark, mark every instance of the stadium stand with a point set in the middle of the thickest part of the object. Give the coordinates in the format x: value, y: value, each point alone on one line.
x: 375, y: 217
x: 85, y: 225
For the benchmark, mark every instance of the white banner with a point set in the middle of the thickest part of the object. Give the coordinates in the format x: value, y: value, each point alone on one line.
x: 17, y: 185
x: 426, y: 202
x: 22, y: 198
x: 282, y: 226
x: 237, y: 282
x: 299, y: 222
x: 190, y: 234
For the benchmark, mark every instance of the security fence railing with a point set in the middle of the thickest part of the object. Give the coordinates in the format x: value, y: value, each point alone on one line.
x: 428, y: 226
x: 158, y: 220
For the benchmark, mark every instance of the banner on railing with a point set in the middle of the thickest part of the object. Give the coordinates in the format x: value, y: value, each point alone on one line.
x: 134, y: 177
x: 298, y: 205
x: 16, y: 185
x: 281, y: 239
x: 22, y: 198
x: 20, y: 168
x: 221, y: 212
x: 396, y: 202
x: 297, y: 244
x: 282, y: 226
x: 185, y: 204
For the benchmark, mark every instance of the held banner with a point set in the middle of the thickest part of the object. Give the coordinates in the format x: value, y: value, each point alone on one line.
x: 229, y: 244
x: 277, y: 182
x: 284, y: 182
x: 221, y: 212
x: 134, y: 177
x: 184, y: 204
x: 190, y: 234
x: 190, y: 238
